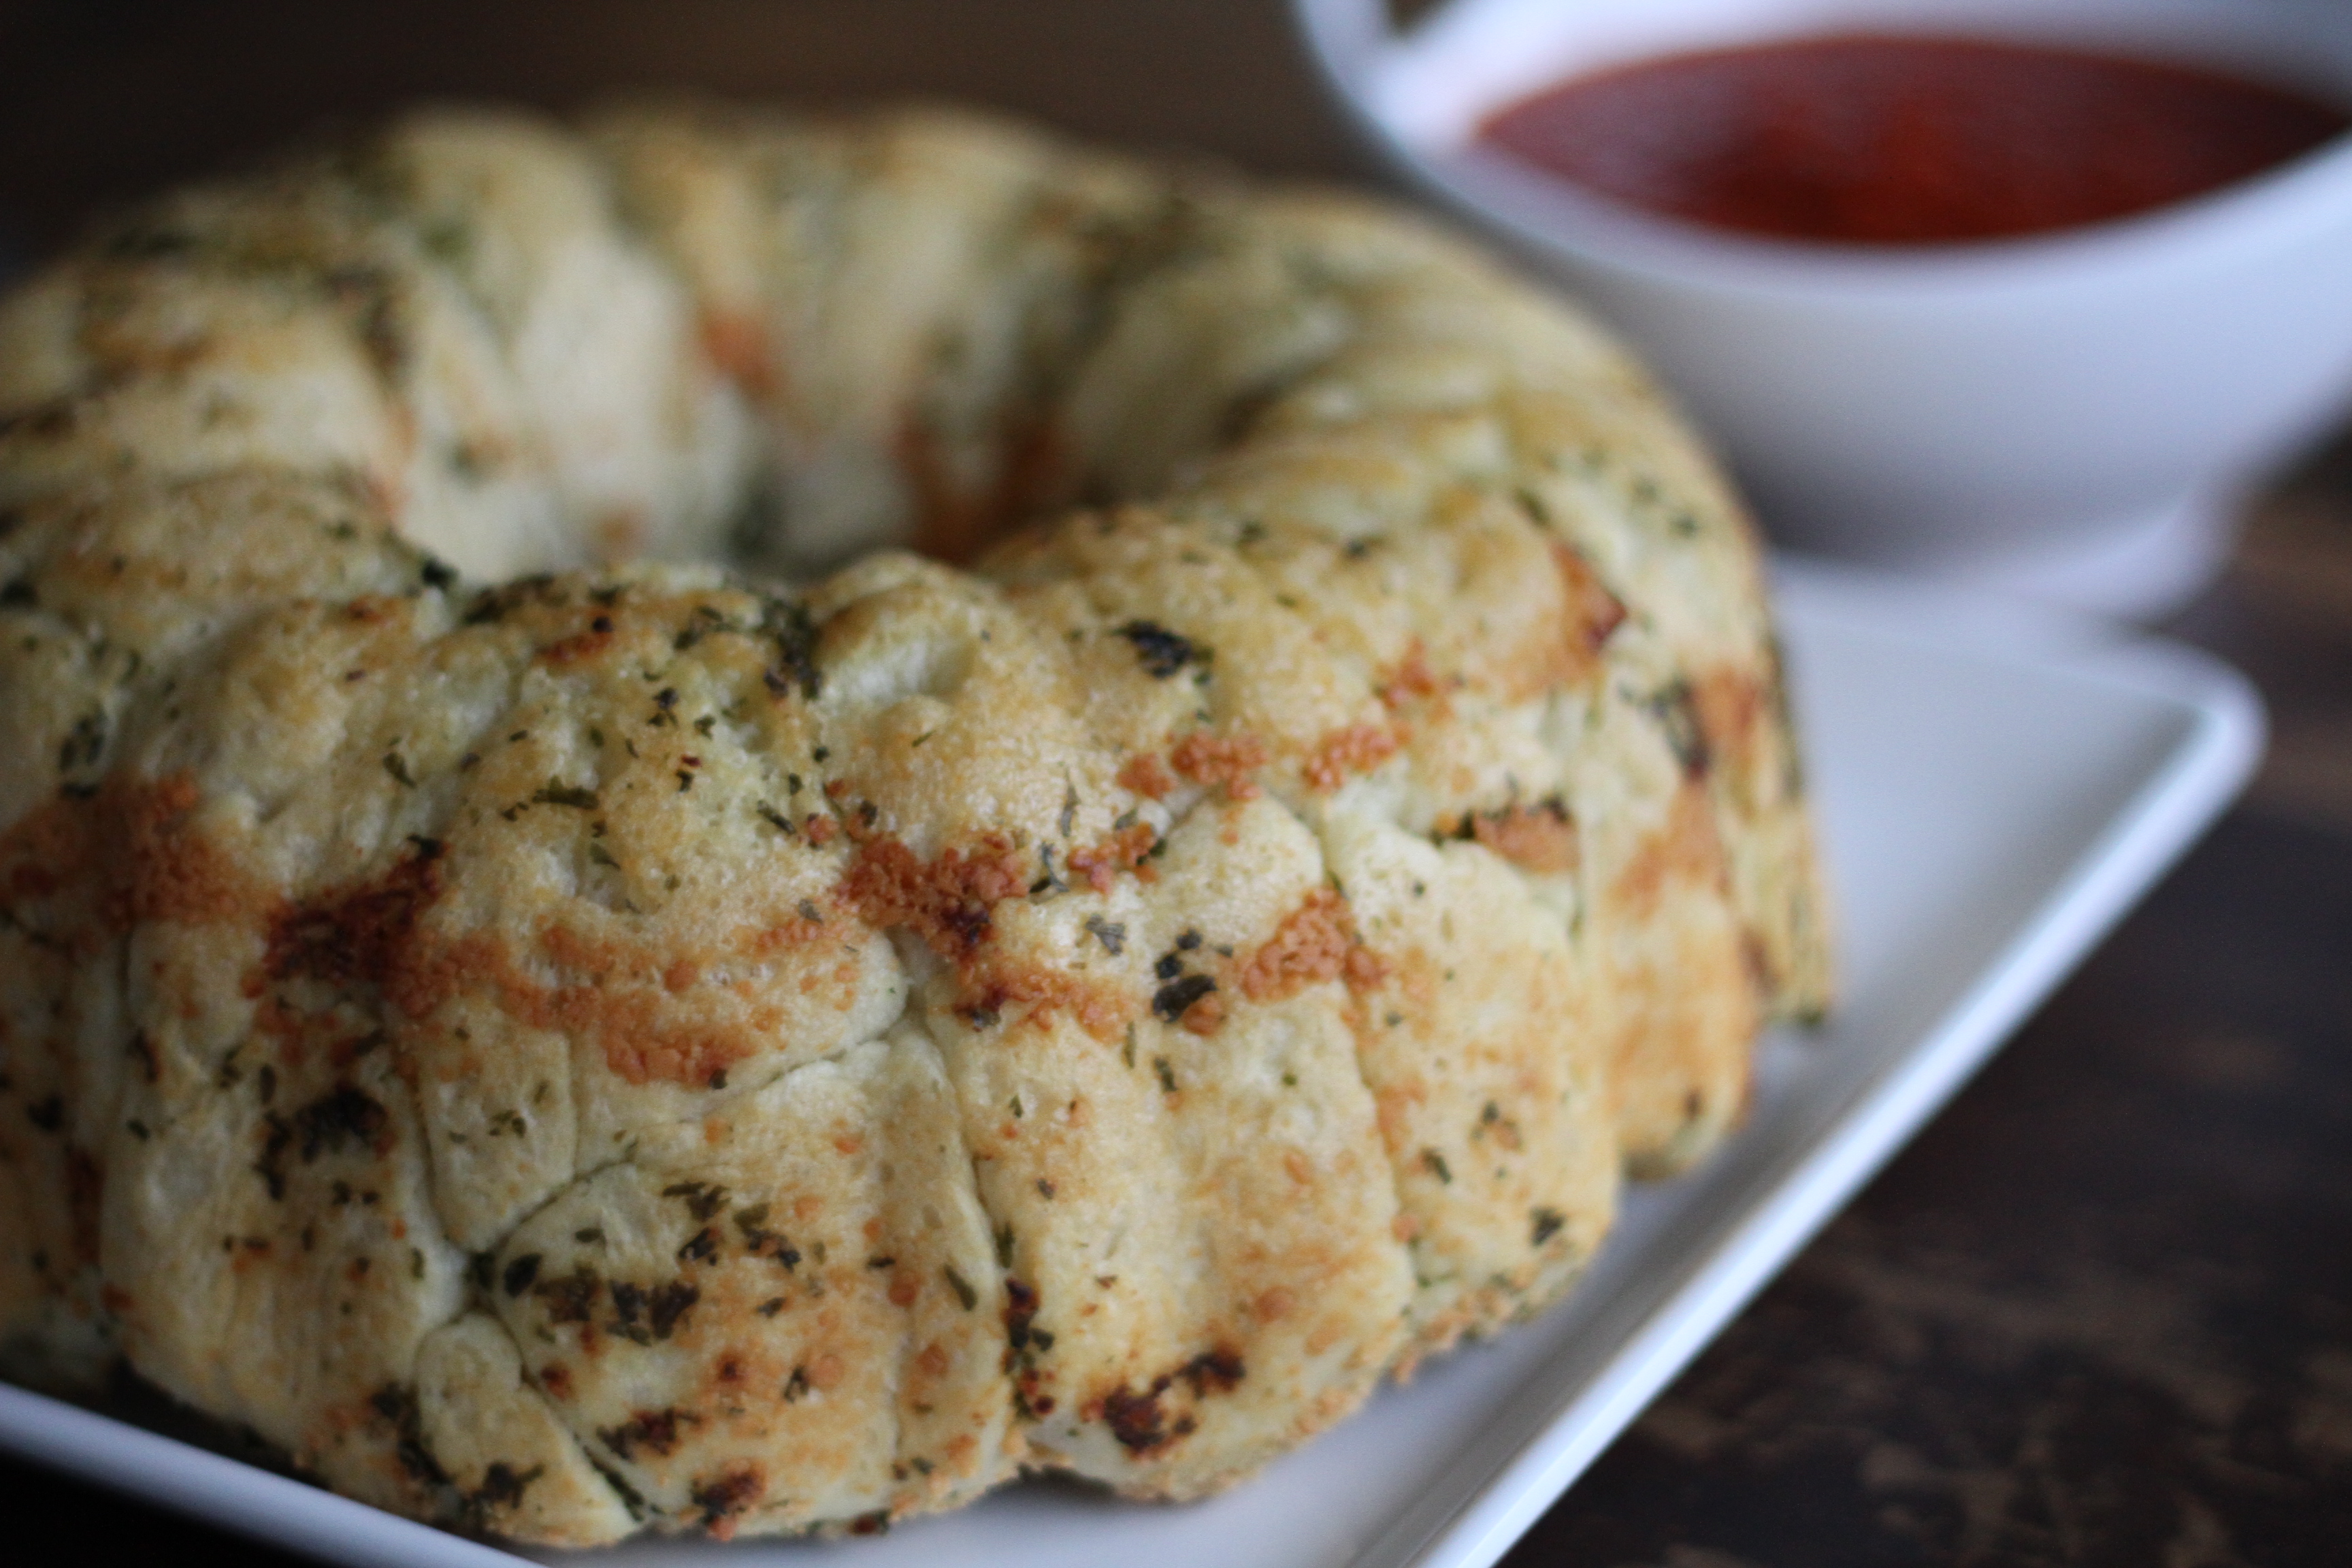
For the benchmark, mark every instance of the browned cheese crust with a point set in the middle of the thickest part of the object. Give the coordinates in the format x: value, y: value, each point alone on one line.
x: 560, y: 1036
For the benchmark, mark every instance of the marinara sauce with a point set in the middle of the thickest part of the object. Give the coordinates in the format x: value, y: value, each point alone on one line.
x: 1877, y: 140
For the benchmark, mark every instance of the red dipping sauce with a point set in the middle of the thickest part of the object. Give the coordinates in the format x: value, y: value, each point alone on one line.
x: 1908, y: 141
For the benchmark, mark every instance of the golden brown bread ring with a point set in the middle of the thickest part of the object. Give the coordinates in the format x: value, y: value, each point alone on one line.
x: 641, y: 1044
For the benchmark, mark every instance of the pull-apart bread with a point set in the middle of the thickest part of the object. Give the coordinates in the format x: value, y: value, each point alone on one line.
x: 531, y: 986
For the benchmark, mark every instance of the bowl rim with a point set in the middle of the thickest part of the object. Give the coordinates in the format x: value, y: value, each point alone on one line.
x: 2295, y: 201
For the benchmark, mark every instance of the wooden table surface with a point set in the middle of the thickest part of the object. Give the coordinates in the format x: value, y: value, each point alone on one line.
x: 2099, y: 1313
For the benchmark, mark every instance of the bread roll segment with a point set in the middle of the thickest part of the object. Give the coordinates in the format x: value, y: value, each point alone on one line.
x: 562, y: 1044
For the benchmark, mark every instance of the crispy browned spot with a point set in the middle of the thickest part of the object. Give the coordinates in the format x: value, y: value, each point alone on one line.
x: 1212, y: 760
x: 1121, y: 851
x: 131, y: 845
x: 578, y: 648
x: 629, y: 1019
x: 946, y: 902
x: 1540, y: 838
x: 1206, y: 1015
x: 1316, y: 943
x: 176, y: 873
x: 360, y: 934
x: 616, y: 995
x: 1135, y: 1417
x: 1685, y: 849
x: 51, y: 846
x: 377, y: 610
x: 1593, y: 613
x: 991, y: 988
x: 1358, y: 749
x: 1411, y: 679
x: 1020, y: 1311
x: 1218, y: 1370
x: 620, y: 1003
x: 723, y: 1497
x: 738, y: 345
x: 1732, y: 707
x: 344, y: 1117
x: 654, y: 1431
x: 1147, y: 775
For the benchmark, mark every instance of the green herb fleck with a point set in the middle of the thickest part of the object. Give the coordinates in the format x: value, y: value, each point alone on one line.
x: 555, y: 792
x: 962, y: 1287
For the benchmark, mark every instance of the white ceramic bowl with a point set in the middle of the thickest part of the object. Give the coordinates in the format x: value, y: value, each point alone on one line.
x: 2071, y: 415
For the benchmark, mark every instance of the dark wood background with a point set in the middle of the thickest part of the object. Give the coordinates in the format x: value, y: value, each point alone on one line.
x: 2100, y: 1314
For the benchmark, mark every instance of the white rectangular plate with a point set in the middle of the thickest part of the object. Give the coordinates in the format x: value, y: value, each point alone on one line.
x: 1995, y: 787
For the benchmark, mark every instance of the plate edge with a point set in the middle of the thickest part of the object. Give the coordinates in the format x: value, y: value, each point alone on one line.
x: 2182, y: 795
